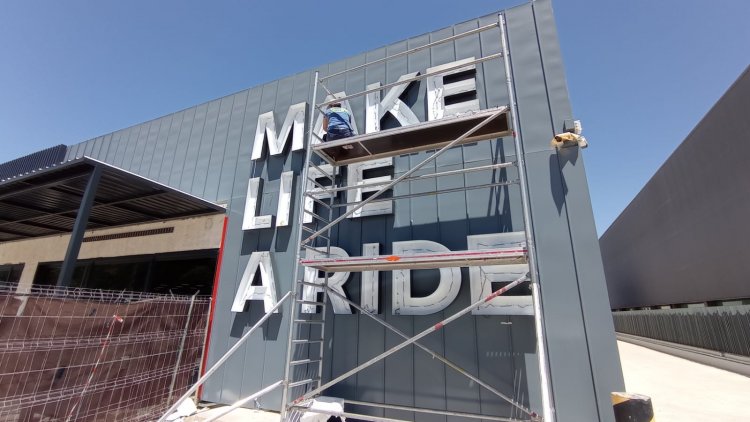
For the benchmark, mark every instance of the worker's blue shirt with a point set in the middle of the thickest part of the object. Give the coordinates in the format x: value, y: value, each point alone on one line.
x: 338, y: 118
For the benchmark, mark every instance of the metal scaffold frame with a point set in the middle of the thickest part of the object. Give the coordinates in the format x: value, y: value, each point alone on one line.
x: 488, y: 119
x: 301, y: 402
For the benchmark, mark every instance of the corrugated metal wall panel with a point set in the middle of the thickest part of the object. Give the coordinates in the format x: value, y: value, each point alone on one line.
x: 180, y: 152
x: 231, y: 150
x: 588, y: 263
x: 127, y: 155
x: 139, y: 146
x: 157, y: 157
x: 204, y: 150
x: 568, y: 352
x: 222, y: 387
x: 125, y: 145
x: 193, y: 148
x: 170, y: 148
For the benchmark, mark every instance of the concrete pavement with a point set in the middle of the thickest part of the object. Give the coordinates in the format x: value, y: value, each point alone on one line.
x: 682, y: 390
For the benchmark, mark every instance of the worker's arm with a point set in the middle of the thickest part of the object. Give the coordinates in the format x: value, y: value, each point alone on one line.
x: 325, y: 123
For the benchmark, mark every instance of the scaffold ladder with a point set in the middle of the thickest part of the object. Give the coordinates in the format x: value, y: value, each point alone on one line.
x: 303, y: 379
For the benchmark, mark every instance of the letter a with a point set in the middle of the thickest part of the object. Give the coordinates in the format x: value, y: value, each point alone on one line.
x: 265, y: 292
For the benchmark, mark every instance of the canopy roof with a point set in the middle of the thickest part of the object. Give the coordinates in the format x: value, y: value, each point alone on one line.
x: 47, y: 201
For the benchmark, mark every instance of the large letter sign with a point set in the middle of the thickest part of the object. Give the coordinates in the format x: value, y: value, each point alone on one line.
x: 448, y: 93
x: 450, y: 282
x: 266, y: 129
x: 265, y: 292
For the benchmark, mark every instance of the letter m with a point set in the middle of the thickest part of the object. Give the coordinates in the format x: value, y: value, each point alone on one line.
x: 294, y: 125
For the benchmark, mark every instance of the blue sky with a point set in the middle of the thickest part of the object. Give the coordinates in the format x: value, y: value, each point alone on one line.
x: 641, y: 73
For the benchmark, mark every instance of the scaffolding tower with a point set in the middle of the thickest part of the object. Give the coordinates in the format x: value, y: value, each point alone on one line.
x: 303, y: 380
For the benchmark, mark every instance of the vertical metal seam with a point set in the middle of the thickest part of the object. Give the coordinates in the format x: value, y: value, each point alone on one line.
x: 540, y: 329
x: 181, y: 181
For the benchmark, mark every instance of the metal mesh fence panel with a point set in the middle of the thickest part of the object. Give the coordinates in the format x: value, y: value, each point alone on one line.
x: 91, y: 355
x: 724, y: 329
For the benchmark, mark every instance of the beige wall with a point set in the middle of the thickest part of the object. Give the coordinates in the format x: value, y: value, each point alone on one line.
x: 189, y: 234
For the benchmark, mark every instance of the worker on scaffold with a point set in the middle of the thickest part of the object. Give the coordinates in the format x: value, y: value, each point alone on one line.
x: 337, y: 122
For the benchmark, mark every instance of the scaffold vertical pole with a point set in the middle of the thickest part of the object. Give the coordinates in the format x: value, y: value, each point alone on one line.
x: 300, y: 223
x: 548, y: 411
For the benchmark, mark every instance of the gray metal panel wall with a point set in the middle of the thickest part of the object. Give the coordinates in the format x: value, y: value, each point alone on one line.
x: 684, y: 238
x: 205, y: 150
x: 195, y: 150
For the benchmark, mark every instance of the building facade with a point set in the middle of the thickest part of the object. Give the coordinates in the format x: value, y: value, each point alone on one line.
x: 245, y: 151
x: 682, y: 239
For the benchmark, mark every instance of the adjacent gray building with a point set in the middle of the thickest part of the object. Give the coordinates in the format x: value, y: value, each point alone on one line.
x: 684, y: 238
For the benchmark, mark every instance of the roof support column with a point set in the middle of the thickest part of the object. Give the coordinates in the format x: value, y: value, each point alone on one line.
x: 79, y: 228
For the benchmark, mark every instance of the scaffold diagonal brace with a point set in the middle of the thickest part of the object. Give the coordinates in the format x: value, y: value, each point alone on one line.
x: 413, y: 340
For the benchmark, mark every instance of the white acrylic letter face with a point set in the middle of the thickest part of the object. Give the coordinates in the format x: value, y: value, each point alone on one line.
x: 335, y: 282
x: 370, y: 281
x: 355, y: 177
x: 250, y: 221
x: 450, y: 282
x: 315, y: 174
x: 266, y: 292
x: 285, y: 198
x: 481, y: 278
x: 438, y: 90
x: 294, y: 123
